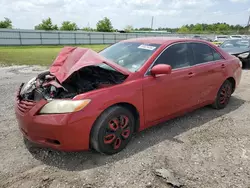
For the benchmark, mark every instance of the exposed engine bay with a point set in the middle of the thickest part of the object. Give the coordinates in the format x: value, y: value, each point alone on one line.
x: 89, y: 78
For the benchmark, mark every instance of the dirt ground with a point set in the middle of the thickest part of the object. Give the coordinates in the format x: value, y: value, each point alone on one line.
x: 206, y: 149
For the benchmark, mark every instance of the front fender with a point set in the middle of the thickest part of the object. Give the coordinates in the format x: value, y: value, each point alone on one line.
x: 104, y: 98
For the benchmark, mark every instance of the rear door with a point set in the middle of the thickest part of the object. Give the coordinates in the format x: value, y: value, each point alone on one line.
x: 209, y: 67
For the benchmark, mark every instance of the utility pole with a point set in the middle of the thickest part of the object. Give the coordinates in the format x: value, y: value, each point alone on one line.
x: 152, y: 22
x: 248, y: 23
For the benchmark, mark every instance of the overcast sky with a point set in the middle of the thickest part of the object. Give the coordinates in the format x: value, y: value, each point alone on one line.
x: 26, y: 14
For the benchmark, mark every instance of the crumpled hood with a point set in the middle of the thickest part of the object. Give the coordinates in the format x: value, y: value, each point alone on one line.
x: 72, y: 59
x: 235, y: 51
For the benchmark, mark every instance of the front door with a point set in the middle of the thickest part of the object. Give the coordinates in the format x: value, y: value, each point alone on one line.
x: 165, y: 95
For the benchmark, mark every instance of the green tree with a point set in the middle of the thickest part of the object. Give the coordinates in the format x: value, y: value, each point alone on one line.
x: 184, y: 29
x: 6, y: 23
x: 211, y: 28
x: 203, y: 28
x: 128, y: 28
x: 218, y: 28
x: 46, y: 25
x: 198, y: 28
x: 88, y: 29
x: 104, y: 25
x: 223, y: 28
x: 145, y: 29
x: 68, y: 26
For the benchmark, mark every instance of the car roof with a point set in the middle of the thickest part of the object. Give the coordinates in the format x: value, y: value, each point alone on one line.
x: 162, y: 40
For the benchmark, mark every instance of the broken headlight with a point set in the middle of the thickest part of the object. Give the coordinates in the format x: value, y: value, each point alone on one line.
x: 64, y: 106
x: 28, y: 87
x: 244, y: 55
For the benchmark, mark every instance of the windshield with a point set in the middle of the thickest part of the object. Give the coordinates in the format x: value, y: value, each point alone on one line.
x: 236, y: 44
x: 130, y: 55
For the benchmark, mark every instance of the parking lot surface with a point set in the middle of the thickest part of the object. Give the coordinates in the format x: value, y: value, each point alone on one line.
x: 205, y: 148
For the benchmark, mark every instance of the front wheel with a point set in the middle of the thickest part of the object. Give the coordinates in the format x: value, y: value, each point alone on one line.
x: 223, y: 95
x: 112, y: 130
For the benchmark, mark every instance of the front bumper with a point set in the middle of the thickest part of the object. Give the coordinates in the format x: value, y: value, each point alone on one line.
x: 58, y: 131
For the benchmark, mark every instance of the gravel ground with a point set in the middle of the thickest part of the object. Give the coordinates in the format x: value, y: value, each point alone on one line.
x: 205, y: 148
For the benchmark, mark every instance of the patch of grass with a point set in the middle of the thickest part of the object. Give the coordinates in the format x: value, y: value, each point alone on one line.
x: 34, y: 55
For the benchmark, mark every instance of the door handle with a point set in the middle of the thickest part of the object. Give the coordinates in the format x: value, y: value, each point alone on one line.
x: 223, y: 66
x: 191, y: 74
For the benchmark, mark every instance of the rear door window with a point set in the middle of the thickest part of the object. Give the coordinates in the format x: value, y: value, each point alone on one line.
x: 204, y: 53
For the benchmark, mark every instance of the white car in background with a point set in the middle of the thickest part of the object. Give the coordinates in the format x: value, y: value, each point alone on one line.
x: 236, y: 37
x: 245, y: 37
x: 221, y: 38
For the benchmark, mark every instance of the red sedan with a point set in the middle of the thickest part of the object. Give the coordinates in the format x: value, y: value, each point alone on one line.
x: 98, y: 100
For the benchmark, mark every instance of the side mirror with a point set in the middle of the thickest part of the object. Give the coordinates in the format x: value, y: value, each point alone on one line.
x: 161, y: 69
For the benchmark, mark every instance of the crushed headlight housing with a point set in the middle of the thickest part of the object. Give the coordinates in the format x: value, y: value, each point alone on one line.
x: 244, y: 55
x: 64, y: 106
x: 28, y: 87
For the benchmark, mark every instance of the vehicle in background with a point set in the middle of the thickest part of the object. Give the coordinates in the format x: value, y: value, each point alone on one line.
x: 235, y: 37
x: 217, y: 43
x: 89, y: 100
x: 202, y: 38
x: 245, y: 37
x: 239, y: 48
x: 221, y: 38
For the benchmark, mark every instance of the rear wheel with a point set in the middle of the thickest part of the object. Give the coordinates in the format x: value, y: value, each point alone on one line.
x: 223, y: 95
x: 112, y: 130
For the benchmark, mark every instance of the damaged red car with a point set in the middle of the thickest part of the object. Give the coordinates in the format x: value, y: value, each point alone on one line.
x: 89, y: 100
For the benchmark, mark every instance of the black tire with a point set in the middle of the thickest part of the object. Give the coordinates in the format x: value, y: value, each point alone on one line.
x: 223, y: 95
x: 107, y: 130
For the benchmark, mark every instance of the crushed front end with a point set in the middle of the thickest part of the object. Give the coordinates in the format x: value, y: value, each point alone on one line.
x: 46, y: 86
x: 47, y: 112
